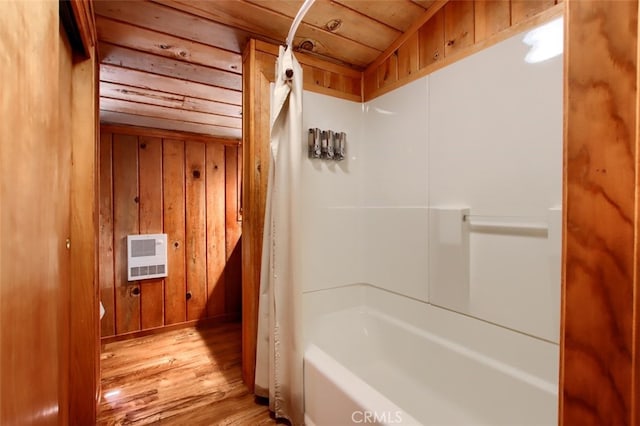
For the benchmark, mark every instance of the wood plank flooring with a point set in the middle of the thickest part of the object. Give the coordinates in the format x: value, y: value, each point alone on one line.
x: 190, y: 376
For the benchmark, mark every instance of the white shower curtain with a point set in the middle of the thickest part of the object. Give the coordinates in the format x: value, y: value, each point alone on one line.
x: 279, y: 345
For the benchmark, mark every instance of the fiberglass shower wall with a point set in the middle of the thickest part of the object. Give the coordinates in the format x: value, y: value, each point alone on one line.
x: 331, y: 197
x: 483, y: 135
x: 495, y: 147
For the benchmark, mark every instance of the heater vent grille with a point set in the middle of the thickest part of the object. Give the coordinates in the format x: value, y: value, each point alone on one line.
x: 147, y: 256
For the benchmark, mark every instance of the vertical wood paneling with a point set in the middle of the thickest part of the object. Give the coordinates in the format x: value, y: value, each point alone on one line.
x: 196, y: 230
x: 521, y: 10
x: 125, y: 221
x: 334, y: 81
x: 317, y: 77
x: 308, y: 76
x: 601, y: 215
x: 458, y: 29
x: 181, y: 191
x: 216, y: 255
x: 370, y: 81
x: 255, y: 113
x: 491, y: 17
x: 388, y: 71
x: 174, y: 226
x: 233, y: 277
x: 458, y: 26
x: 150, y: 173
x: 408, y: 57
x: 107, y: 294
x: 431, y: 40
x: 351, y: 85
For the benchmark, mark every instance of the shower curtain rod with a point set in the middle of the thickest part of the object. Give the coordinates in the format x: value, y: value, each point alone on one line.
x: 297, y: 20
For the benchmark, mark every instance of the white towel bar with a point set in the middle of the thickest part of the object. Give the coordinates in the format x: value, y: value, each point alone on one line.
x: 509, y: 222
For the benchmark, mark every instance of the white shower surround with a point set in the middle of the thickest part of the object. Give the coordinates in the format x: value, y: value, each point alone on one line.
x: 366, y: 219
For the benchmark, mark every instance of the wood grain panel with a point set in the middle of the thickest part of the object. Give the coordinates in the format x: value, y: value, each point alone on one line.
x: 165, y: 134
x: 431, y: 40
x: 408, y: 57
x: 147, y: 62
x: 196, y: 249
x: 107, y: 293
x: 34, y: 263
x: 274, y: 25
x: 601, y: 217
x: 415, y: 26
x: 166, y: 45
x: 370, y: 81
x: 388, y: 72
x: 521, y: 10
x: 335, y: 81
x: 140, y: 95
x: 171, y: 21
x: 173, y: 186
x: 84, y: 327
x: 312, y: 76
x: 167, y: 188
x: 310, y: 59
x: 491, y: 17
x: 400, y: 19
x: 128, y: 77
x: 313, y: 68
x: 125, y: 221
x: 331, y: 84
x: 352, y: 87
x: 458, y: 26
x: 216, y: 253
x: 150, y: 175
x: 160, y: 123
x: 154, y: 97
x: 65, y: 130
x: 353, y: 25
x: 252, y: 113
x: 203, y: 105
x: 118, y: 105
x: 233, y: 225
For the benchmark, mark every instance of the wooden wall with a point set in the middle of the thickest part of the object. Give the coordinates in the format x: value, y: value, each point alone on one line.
x: 84, y: 329
x: 188, y: 189
x: 447, y: 32
x: 599, y: 345
x: 48, y: 338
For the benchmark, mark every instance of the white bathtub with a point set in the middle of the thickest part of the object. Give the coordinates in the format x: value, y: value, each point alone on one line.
x: 384, y: 359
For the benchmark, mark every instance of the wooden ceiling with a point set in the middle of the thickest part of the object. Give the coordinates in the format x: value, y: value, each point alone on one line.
x: 177, y: 64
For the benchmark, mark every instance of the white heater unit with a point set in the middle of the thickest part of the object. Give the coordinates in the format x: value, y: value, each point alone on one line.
x: 146, y: 256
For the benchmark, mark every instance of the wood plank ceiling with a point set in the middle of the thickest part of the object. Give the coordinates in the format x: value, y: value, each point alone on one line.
x: 177, y: 64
